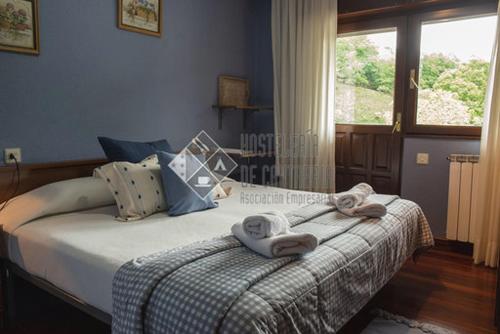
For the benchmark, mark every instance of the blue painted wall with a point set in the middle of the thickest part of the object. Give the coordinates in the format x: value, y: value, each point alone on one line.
x: 92, y: 78
x: 427, y: 185
x: 261, y: 69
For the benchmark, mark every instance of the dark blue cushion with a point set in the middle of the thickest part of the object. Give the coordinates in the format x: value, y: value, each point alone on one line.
x: 180, y: 198
x: 121, y: 150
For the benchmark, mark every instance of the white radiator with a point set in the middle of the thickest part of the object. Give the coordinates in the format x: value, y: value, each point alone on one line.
x: 462, y: 197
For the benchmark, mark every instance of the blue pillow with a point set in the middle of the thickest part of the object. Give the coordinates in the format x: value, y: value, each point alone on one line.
x: 121, y: 150
x: 180, y: 198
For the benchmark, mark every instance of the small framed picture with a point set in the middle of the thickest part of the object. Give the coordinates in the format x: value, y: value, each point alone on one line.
x: 19, y: 26
x: 142, y: 16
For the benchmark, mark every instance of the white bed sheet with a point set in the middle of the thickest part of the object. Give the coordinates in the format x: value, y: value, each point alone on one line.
x: 80, y: 252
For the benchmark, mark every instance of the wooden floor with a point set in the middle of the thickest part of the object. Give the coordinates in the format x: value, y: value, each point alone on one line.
x: 443, y: 288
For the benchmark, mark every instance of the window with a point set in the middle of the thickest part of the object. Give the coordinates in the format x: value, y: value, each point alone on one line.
x: 366, y: 70
x: 453, y: 70
x: 423, y: 73
x: 448, y: 61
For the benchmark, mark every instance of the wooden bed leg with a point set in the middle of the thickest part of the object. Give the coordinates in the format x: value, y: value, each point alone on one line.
x: 8, y: 298
x: 3, y: 294
x: 11, y: 298
x: 415, y: 257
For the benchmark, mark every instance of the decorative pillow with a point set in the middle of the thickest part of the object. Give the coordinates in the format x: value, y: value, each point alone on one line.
x: 55, y: 198
x: 121, y: 150
x: 181, y: 199
x: 137, y: 188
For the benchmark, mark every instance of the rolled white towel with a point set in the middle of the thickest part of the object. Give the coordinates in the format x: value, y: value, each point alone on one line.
x: 281, y: 245
x: 265, y: 225
x: 368, y: 208
x: 353, y: 197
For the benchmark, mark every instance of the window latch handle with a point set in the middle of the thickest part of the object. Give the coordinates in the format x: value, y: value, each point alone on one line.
x: 413, y: 83
x: 397, y: 124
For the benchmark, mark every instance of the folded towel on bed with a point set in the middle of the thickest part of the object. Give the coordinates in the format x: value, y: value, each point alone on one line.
x: 353, y: 197
x: 368, y: 208
x: 281, y: 245
x: 266, y: 225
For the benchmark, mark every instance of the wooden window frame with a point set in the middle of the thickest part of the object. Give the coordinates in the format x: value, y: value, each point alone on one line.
x: 408, y: 14
x: 413, y: 50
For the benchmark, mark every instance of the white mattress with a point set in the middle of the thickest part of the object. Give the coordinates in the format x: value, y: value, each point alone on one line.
x: 80, y: 252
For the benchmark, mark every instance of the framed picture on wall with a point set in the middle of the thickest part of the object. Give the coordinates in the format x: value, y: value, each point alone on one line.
x: 19, y: 26
x: 143, y: 16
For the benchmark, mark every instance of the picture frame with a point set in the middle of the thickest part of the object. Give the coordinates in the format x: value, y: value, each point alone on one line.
x: 19, y: 24
x: 141, y: 16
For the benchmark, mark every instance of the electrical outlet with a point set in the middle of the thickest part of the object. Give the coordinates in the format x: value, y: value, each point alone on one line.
x: 422, y: 158
x: 15, y: 151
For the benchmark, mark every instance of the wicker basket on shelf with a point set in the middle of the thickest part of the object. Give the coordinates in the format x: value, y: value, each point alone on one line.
x: 233, y: 91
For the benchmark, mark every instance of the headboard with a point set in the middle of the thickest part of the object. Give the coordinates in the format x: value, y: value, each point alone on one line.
x: 35, y: 175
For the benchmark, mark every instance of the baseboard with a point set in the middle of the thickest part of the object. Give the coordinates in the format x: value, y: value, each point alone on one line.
x: 465, y: 248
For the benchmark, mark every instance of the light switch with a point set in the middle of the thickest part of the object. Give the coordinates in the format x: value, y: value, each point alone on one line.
x: 15, y: 151
x: 422, y: 158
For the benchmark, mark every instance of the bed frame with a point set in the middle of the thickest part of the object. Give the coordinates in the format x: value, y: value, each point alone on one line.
x: 33, y: 176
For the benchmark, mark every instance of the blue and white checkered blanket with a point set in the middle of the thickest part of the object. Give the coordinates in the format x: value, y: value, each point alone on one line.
x: 220, y: 286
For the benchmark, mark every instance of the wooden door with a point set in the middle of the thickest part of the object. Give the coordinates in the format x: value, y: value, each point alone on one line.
x: 368, y: 154
x: 371, y: 153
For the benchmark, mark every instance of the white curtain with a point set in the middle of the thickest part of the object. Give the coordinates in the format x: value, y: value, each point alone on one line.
x: 304, y: 37
x: 486, y: 244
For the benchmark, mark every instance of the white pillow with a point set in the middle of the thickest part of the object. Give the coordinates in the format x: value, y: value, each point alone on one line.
x: 58, y: 197
x: 137, y: 188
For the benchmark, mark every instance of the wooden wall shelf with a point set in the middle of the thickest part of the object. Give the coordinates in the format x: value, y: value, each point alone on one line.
x: 247, y: 111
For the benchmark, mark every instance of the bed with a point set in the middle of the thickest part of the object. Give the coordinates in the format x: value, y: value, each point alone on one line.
x: 79, y: 253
